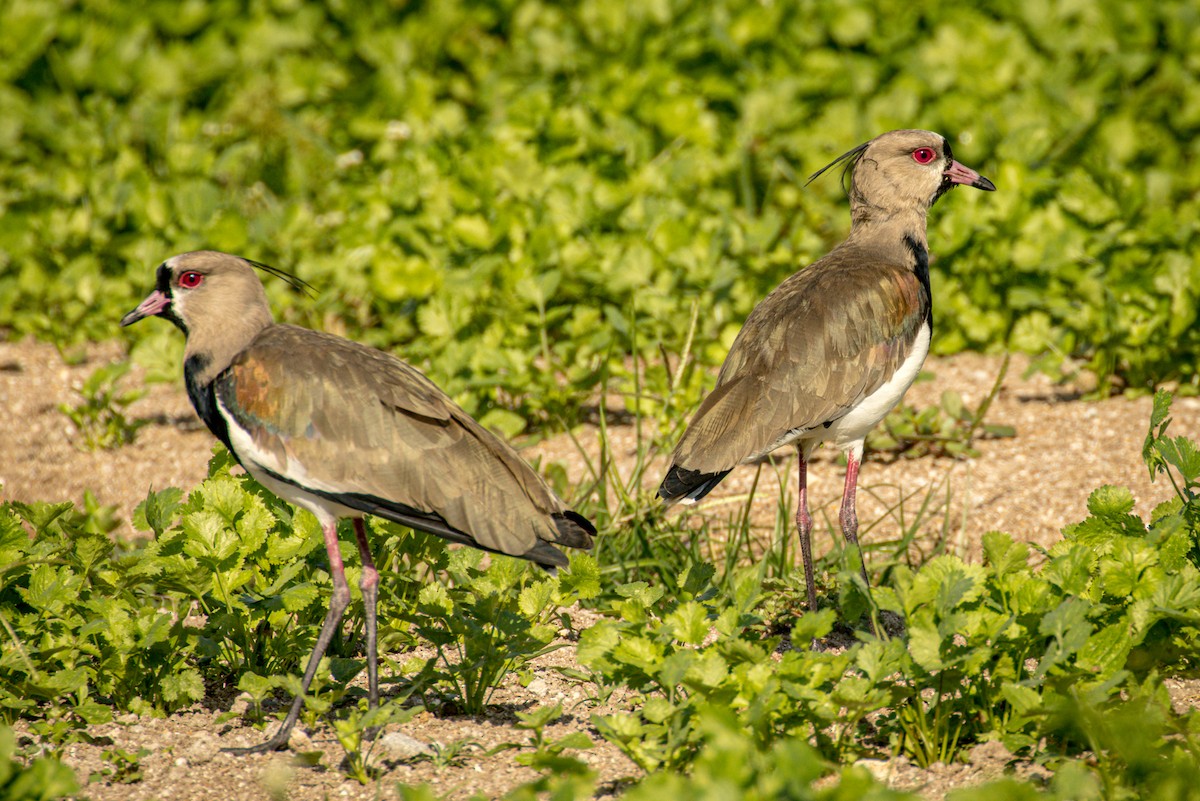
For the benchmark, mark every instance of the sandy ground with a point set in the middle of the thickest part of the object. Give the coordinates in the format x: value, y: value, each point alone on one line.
x: 1030, y: 486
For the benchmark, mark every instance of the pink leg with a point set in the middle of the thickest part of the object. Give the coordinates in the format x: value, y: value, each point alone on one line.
x: 804, y: 528
x: 848, y: 515
x: 369, y: 585
x: 337, y: 606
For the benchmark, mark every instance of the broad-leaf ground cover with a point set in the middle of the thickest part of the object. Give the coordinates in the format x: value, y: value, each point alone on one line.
x: 519, y: 195
x: 532, y: 201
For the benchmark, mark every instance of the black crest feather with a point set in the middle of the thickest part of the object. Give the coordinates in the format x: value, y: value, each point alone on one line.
x: 851, y: 159
x: 294, y: 281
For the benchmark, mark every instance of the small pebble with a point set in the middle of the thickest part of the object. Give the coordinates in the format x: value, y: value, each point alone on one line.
x: 202, y: 749
x: 401, y: 746
x: 299, y: 740
x: 881, y: 769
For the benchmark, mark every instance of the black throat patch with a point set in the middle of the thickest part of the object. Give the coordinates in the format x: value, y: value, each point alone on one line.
x: 921, y: 268
x: 204, y: 397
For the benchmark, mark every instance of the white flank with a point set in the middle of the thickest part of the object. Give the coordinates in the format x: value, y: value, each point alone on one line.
x: 258, y: 462
x: 850, y: 430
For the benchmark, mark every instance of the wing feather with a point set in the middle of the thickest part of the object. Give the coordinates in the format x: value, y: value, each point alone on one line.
x: 353, y: 423
x: 825, y: 339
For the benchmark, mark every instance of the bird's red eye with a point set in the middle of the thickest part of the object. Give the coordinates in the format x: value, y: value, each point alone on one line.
x: 190, y: 280
x: 923, y: 155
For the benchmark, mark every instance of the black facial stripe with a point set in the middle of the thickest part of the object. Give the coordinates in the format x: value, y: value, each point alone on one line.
x: 163, y: 279
x: 946, y: 149
x: 163, y: 285
x: 945, y: 186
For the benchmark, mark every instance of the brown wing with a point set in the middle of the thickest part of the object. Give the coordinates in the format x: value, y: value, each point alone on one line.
x: 821, y: 342
x: 353, y: 422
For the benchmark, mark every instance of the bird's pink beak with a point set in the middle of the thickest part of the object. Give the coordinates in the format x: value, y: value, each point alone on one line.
x: 156, y: 303
x: 959, y: 173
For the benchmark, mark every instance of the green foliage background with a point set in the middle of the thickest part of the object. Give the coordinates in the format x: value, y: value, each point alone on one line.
x: 517, y: 195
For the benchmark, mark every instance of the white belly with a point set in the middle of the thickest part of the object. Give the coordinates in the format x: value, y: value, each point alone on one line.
x: 849, y: 432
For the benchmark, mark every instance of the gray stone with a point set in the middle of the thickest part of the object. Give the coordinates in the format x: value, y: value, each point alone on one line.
x: 202, y: 749
x: 400, y: 746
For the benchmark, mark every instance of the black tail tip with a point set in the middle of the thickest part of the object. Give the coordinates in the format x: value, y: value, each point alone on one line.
x: 574, y: 530
x: 680, y: 483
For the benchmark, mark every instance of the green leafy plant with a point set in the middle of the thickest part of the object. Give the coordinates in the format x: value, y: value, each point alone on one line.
x: 122, y: 766
x: 100, y: 416
x: 729, y: 764
x: 40, y: 778
x: 445, y: 755
x: 991, y: 651
x: 545, y: 754
x: 1178, y: 459
x: 490, y: 623
x: 352, y: 731
x: 525, y: 222
x: 79, y: 625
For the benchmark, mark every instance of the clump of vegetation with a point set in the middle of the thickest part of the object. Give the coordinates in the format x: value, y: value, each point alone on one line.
x: 99, y: 416
x: 523, y: 198
x: 1049, y: 657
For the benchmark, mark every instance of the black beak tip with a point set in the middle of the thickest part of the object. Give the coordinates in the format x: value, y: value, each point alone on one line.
x: 984, y: 184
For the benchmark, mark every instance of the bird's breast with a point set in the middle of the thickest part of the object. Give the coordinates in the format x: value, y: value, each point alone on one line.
x: 850, y: 429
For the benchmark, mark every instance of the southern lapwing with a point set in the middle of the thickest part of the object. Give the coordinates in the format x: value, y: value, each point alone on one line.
x: 344, y: 430
x: 828, y: 353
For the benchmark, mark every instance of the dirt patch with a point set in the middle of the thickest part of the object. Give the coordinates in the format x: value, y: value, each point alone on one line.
x: 1030, y: 486
x: 182, y: 756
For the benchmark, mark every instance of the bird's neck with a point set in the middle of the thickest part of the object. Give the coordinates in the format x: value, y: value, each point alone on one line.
x: 886, y: 228
x: 213, y: 348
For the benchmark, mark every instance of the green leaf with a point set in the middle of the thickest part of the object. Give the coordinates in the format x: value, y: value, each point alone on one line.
x: 298, y: 596
x: 1003, y: 555
x: 185, y: 686
x: 472, y: 230
x: 158, y: 510
x: 581, y: 581
x: 814, y: 625
x: 535, y: 598
x: 1024, y: 700
x: 1182, y: 454
x: 709, y: 671
x: 503, y: 421
x: 1105, y: 652
x: 1071, y: 572
x: 540, y: 717
x: 925, y: 646
x: 436, y: 598
x: 639, y: 652
x: 1110, y: 502
x: 208, y: 536
x: 597, y: 643
x: 1158, y: 427
x: 259, y: 688
x: 689, y: 622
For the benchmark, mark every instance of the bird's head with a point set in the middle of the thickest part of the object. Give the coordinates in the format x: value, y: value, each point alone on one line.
x: 194, y: 289
x: 216, y: 299
x: 903, y: 171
